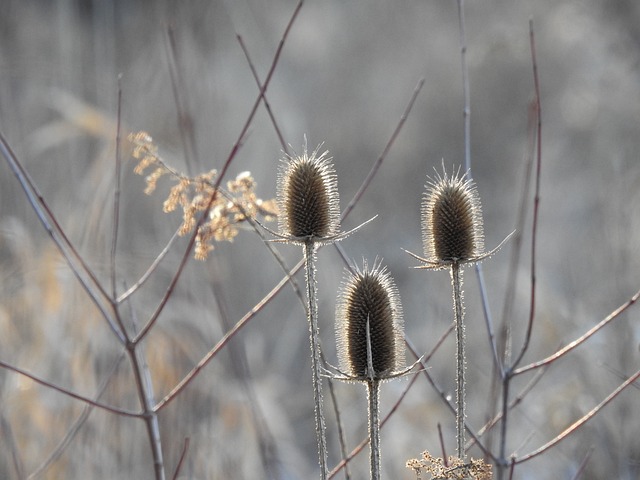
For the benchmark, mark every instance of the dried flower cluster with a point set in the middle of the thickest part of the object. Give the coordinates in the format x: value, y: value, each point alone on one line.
x: 455, y: 469
x: 231, y: 206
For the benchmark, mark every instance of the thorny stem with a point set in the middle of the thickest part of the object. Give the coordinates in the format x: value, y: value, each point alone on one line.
x: 458, y: 310
x: 364, y: 442
x: 373, y: 393
x: 440, y: 391
x: 314, y: 339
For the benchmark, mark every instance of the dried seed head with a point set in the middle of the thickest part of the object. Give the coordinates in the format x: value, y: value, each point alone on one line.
x: 452, y: 220
x: 308, y: 197
x: 369, y: 299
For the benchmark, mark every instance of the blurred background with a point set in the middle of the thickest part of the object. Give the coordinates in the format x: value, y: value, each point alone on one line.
x: 346, y: 74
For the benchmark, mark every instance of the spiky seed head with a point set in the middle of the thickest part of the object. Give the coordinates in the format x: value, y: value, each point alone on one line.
x: 308, y: 197
x: 452, y: 219
x: 369, y: 295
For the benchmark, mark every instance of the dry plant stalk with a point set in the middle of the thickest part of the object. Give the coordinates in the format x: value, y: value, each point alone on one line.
x: 234, y: 205
x: 310, y: 216
x: 310, y: 205
x: 452, y: 236
x: 370, y: 340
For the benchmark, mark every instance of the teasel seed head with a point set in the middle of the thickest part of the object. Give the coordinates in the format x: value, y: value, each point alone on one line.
x: 369, y: 299
x: 452, y: 220
x: 308, y: 197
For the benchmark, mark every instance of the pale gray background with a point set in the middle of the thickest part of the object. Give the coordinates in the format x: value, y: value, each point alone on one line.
x: 346, y: 74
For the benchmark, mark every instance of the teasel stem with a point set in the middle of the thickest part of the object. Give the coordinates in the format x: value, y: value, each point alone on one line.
x: 458, y: 311
x: 314, y: 338
x: 373, y: 394
x: 369, y: 337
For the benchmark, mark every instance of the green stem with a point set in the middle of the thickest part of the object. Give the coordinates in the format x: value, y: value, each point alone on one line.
x: 458, y: 309
x: 314, y: 338
x: 373, y: 390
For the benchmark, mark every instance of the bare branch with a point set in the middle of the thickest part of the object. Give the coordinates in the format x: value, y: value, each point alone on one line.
x: 154, y: 317
x: 575, y: 426
x: 69, y: 393
x: 536, y: 199
x: 578, y: 341
x: 78, y: 266
x: 378, y: 162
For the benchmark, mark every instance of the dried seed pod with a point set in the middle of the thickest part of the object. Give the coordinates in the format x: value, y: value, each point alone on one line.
x: 369, y: 325
x: 452, y: 220
x: 308, y: 197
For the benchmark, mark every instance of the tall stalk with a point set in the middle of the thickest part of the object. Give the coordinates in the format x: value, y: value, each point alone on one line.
x: 458, y: 311
x: 373, y: 394
x: 314, y: 339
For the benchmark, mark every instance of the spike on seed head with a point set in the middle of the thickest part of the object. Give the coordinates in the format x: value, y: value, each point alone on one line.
x: 308, y: 197
x: 370, y: 295
x: 452, y: 219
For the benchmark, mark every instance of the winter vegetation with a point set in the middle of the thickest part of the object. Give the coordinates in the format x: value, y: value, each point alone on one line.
x: 219, y: 220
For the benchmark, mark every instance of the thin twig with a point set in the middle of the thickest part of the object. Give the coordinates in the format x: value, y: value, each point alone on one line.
x: 536, y: 199
x: 224, y: 340
x: 69, y: 393
x: 361, y: 446
x: 116, y: 193
x: 578, y: 341
x: 443, y: 448
x: 154, y: 265
x: 183, y: 455
x: 78, y: 266
x: 466, y: 116
x: 443, y: 395
x: 583, y: 464
x: 154, y: 317
x: 376, y: 166
x: 77, y: 425
x: 7, y: 434
x: 414, y: 378
x: 576, y: 425
x: 267, y: 105
x: 240, y: 367
x: 508, y: 371
x: 185, y: 120
x: 512, y: 404
x: 340, y: 427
